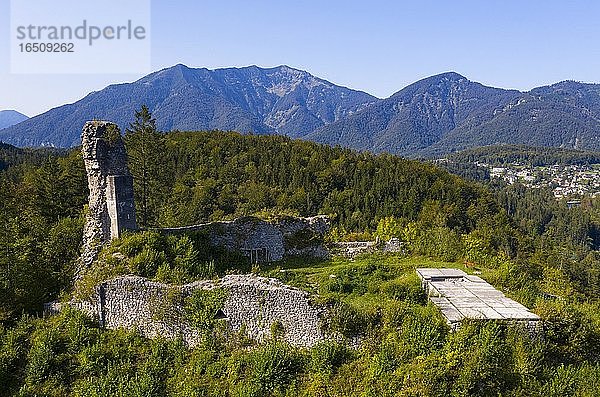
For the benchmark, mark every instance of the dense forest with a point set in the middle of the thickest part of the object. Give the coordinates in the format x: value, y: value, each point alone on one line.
x: 523, y: 241
x: 525, y: 155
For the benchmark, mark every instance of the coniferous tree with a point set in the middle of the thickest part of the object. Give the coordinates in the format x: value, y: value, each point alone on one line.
x: 145, y: 145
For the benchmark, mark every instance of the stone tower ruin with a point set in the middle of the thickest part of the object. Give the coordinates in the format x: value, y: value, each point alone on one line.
x: 111, y: 205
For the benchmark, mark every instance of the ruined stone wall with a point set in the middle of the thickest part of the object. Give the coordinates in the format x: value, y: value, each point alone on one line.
x: 393, y: 245
x: 288, y: 236
x: 353, y: 248
x: 245, y: 234
x: 252, y: 303
x: 120, y: 203
x: 305, y: 236
x: 104, y: 157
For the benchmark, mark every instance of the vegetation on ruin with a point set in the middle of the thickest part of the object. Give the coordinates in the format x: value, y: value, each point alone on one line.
x: 523, y: 241
x: 406, y: 347
x: 174, y: 259
x: 200, y: 309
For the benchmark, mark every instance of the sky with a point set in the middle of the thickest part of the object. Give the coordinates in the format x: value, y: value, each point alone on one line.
x: 375, y: 46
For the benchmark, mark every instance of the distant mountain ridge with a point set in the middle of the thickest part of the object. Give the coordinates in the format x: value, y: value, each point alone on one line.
x: 417, y: 116
x: 448, y: 113
x: 564, y: 115
x: 432, y: 117
x: 251, y: 99
x: 8, y: 118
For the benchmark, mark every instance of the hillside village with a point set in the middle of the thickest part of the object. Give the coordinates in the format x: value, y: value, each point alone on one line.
x: 566, y: 181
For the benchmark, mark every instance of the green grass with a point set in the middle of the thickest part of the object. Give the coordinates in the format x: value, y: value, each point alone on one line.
x: 364, y: 293
x: 406, y: 348
x: 372, y: 269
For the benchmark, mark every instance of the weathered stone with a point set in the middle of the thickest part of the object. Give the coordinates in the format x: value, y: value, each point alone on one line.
x: 120, y: 203
x: 252, y: 303
x: 111, y: 207
x: 351, y: 249
x: 393, y: 245
x: 267, y: 241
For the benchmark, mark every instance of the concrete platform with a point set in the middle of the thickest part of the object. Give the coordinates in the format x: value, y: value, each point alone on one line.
x: 460, y: 296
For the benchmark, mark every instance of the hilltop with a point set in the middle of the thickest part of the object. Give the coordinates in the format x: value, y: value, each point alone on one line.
x: 8, y: 118
x: 523, y: 242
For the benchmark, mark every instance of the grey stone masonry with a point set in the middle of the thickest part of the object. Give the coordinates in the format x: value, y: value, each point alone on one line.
x: 351, y: 249
x: 252, y: 304
x: 267, y: 241
x: 111, y: 206
x: 460, y: 296
x: 257, y: 302
x: 393, y: 245
x: 120, y: 203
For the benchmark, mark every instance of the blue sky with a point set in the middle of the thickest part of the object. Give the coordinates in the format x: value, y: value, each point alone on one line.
x: 375, y: 46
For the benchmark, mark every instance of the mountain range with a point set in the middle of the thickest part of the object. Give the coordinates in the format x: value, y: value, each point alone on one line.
x: 431, y: 117
x: 448, y: 113
x: 8, y: 118
x: 279, y: 100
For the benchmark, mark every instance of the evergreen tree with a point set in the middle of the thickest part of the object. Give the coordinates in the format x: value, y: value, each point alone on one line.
x: 145, y: 146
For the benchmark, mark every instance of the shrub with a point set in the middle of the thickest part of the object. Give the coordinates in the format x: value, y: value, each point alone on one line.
x: 201, y: 308
x: 270, y: 368
x: 328, y: 356
x: 346, y: 320
x: 406, y: 288
x: 277, y: 330
x: 14, y: 345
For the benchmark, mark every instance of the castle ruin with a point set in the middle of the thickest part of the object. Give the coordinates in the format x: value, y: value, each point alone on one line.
x: 253, y: 303
x: 111, y: 206
x: 251, y: 306
x: 263, y: 241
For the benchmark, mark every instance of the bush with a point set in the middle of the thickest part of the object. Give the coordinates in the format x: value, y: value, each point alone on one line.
x: 422, y: 332
x: 268, y: 369
x: 486, y: 366
x: 407, y: 288
x: 327, y: 357
x: 201, y: 309
x: 14, y: 345
x: 346, y: 320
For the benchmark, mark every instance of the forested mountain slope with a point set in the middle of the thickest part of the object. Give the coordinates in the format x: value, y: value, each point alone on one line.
x: 9, y: 118
x: 447, y: 113
x: 432, y: 117
x: 251, y: 99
